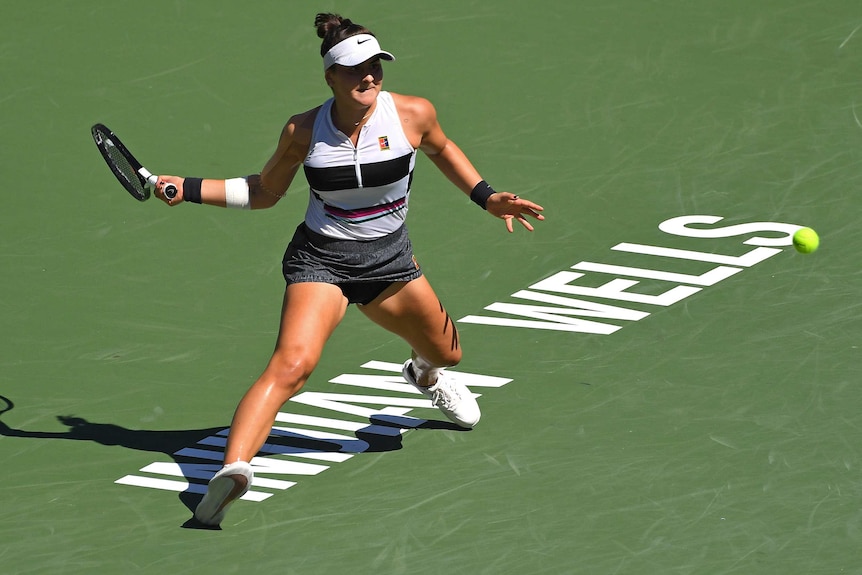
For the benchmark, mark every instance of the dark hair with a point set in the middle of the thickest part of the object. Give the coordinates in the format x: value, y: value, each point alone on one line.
x: 333, y: 29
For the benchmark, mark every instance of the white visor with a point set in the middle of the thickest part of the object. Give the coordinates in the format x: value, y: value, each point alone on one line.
x: 354, y: 50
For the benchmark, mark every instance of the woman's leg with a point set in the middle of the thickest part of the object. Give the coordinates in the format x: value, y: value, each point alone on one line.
x: 310, y: 313
x: 412, y: 311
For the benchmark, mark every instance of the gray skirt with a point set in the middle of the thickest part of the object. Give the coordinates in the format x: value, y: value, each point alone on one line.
x: 362, y: 269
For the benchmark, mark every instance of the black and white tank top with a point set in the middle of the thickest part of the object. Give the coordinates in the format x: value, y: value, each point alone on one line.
x: 359, y: 192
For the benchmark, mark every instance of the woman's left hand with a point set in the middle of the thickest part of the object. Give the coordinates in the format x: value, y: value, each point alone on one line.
x: 511, y: 207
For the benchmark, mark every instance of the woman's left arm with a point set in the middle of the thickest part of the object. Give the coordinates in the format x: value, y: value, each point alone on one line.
x: 449, y: 159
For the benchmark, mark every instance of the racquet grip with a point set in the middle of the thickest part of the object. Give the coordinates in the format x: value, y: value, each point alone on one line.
x: 152, y: 179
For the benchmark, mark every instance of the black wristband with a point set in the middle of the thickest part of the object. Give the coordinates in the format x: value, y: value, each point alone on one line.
x: 192, y: 190
x: 480, y: 194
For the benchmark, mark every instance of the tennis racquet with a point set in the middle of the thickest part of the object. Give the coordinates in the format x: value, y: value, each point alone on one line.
x: 137, y: 180
x: 5, y: 404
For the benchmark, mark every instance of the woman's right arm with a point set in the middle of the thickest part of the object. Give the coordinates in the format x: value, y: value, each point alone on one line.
x: 257, y: 191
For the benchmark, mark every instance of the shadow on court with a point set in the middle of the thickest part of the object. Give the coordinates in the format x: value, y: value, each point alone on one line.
x: 167, y: 442
x: 384, y: 433
x: 115, y: 435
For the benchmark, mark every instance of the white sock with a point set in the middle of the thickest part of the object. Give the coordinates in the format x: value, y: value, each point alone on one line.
x: 422, y: 368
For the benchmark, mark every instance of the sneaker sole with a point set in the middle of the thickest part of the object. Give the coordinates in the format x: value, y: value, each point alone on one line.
x: 221, y: 493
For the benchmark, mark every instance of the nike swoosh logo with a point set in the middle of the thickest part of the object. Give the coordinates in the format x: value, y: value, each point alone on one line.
x: 363, y: 41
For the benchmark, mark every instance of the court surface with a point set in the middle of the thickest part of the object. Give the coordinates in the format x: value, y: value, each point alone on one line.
x: 674, y: 400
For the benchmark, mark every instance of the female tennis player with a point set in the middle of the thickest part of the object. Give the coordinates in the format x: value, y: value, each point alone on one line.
x: 358, y: 151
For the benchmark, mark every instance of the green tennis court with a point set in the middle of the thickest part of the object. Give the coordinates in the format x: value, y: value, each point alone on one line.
x: 666, y: 385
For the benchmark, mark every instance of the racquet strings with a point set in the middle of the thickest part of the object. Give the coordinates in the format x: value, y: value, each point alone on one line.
x: 122, y: 168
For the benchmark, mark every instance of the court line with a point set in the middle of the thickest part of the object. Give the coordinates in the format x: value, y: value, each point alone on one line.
x: 847, y: 39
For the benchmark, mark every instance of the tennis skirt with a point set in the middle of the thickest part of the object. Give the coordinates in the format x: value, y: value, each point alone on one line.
x: 362, y: 269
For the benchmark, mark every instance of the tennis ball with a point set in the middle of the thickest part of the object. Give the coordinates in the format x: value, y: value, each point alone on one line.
x: 806, y: 240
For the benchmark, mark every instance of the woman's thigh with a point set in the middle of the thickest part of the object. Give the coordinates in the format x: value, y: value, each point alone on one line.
x: 412, y: 311
x: 310, y: 313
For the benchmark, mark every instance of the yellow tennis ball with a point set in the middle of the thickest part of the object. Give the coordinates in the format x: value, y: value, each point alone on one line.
x: 806, y: 240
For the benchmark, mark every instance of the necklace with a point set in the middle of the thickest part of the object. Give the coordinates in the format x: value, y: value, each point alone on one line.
x: 362, y: 119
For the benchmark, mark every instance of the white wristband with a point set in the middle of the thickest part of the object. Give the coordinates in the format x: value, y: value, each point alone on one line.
x: 236, y: 194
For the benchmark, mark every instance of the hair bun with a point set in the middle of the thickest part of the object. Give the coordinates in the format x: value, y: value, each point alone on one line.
x: 333, y: 29
x: 326, y: 22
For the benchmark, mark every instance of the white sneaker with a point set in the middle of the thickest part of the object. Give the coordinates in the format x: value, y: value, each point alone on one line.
x: 452, y: 398
x: 224, y: 488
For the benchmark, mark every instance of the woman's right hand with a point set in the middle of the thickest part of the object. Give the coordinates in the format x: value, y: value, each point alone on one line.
x: 162, y: 182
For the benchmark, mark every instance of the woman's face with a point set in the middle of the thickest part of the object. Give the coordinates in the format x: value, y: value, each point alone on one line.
x: 360, y: 83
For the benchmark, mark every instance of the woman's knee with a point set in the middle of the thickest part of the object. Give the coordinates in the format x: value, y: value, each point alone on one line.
x: 444, y: 357
x: 290, y: 371
x: 454, y: 357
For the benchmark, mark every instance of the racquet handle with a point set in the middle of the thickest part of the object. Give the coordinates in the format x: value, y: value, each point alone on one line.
x: 170, y: 189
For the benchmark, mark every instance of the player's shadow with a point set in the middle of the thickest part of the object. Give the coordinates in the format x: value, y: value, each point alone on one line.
x: 168, y: 442
x: 382, y: 434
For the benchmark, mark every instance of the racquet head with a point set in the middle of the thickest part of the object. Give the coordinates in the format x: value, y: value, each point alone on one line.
x: 5, y: 404
x: 122, y: 163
